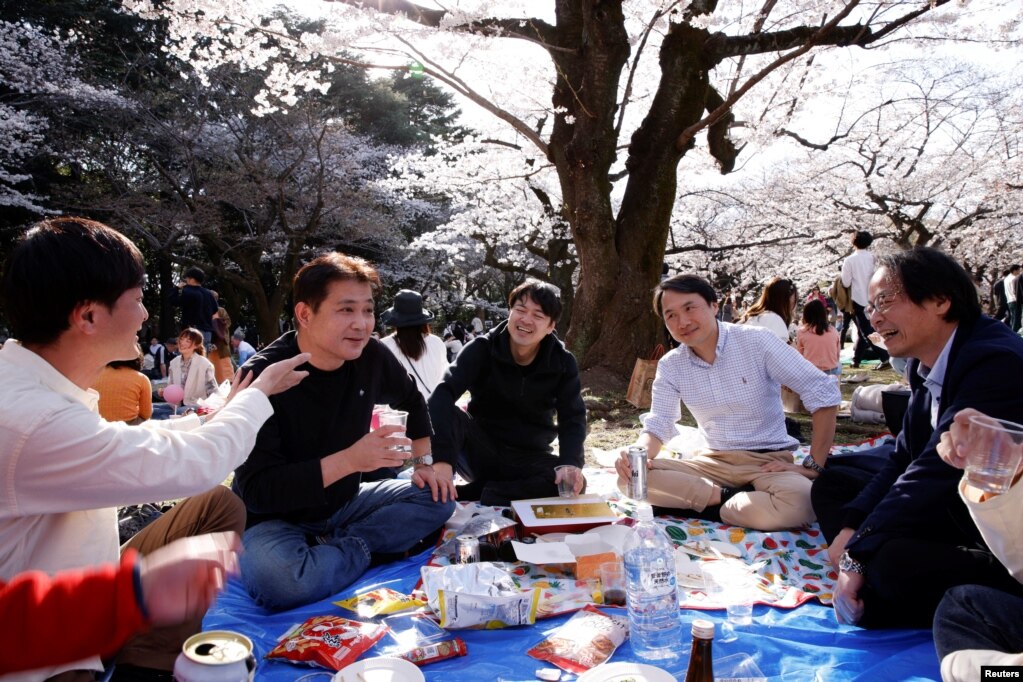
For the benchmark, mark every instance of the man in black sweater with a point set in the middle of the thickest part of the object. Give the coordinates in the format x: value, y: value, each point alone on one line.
x: 313, y: 526
x: 198, y: 306
x: 519, y: 376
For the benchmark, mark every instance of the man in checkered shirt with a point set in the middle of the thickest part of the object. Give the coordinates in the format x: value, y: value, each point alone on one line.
x: 730, y: 378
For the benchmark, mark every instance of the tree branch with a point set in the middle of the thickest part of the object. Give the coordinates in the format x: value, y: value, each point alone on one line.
x: 812, y: 38
x: 707, y: 248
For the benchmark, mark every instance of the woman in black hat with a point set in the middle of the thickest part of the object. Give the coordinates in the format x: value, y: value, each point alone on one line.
x: 424, y: 355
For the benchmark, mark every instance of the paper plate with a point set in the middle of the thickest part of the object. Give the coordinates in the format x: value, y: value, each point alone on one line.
x: 380, y: 669
x: 621, y: 672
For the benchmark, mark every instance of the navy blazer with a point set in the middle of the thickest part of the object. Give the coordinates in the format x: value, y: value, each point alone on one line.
x: 916, y: 493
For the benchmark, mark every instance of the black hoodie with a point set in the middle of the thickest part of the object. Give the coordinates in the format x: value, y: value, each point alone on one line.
x: 515, y: 405
x: 327, y: 412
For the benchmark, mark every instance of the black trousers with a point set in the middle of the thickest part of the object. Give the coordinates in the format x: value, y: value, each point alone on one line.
x: 863, y: 343
x: 498, y: 473
x: 908, y: 576
x: 846, y: 321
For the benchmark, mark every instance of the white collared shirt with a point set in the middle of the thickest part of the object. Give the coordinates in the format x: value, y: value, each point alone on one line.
x: 1010, y: 287
x: 737, y: 400
x: 857, y: 269
x: 64, y: 470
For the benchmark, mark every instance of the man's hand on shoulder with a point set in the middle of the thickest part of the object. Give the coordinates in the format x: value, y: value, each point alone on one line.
x: 440, y: 478
x: 280, y: 376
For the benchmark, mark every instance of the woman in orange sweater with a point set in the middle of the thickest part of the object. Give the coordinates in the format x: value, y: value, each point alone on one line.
x: 125, y: 394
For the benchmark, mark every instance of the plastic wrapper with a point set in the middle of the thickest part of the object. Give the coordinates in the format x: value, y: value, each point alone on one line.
x: 490, y: 527
x: 215, y: 400
x: 485, y: 578
x: 380, y: 601
x: 328, y: 641
x: 419, y: 640
x: 478, y: 596
x: 483, y: 612
x: 586, y: 640
x: 570, y: 595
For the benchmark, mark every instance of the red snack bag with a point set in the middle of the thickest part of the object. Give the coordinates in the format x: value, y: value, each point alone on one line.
x: 328, y: 641
x: 587, y: 639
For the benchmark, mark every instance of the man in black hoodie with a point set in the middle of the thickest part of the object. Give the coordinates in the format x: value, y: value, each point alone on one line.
x: 519, y: 376
x: 313, y: 525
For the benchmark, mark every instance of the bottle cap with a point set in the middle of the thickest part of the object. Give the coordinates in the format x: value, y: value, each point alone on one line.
x: 644, y: 512
x: 704, y: 629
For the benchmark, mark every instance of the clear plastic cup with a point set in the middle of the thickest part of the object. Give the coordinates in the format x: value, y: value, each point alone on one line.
x: 994, y: 448
x: 732, y: 585
x: 612, y: 581
x: 567, y: 476
x: 396, y: 418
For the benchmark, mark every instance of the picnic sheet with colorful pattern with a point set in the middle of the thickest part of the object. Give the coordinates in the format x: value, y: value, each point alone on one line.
x: 790, y: 567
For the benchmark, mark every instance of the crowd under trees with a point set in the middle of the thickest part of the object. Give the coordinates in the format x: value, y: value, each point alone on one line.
x: 607, y: 140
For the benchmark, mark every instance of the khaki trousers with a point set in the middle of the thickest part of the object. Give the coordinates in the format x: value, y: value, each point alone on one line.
x: 781, y: 499
x: 211, y: 512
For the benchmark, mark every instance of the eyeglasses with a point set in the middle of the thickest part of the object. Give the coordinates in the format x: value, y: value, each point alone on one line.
x: 882, y: 303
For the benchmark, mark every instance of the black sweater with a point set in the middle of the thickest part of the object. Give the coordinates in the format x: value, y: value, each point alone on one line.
x: 327, y: 412
x: 515, y: 405
x: 197, y: 307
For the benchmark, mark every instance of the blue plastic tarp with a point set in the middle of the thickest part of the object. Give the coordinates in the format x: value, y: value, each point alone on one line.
x: 804, y: 643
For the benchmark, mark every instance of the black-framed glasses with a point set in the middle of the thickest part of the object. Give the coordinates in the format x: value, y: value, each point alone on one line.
x: 882, y: 303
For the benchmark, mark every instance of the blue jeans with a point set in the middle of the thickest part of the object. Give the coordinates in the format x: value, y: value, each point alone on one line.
x: 287, y: 565
x: 978, y: 617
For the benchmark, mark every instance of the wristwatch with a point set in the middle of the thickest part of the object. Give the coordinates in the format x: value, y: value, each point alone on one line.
x: 426, y: 459
x: 849, y: 565
x: 809, y: 463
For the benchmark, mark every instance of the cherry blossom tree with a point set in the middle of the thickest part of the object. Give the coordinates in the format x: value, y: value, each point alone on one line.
x: 38, y: 86
x: 614, y: 95
x: 506, y: 217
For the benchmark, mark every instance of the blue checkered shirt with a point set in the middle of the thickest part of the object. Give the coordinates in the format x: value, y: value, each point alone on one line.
x: 737, y: 400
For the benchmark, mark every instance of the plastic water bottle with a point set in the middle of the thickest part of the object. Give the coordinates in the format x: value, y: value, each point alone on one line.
x: 652, y: 598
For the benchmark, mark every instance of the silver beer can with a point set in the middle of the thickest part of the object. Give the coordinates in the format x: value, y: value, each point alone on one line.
x: 467, y: 549
x: 637, y: 462
x: 215, y: 656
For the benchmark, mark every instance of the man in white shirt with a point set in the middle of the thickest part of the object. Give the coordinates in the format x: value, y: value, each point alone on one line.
x: 730, y: 377
x: 72, y: 290
x: 857, y: 269
x: 1011, y: 299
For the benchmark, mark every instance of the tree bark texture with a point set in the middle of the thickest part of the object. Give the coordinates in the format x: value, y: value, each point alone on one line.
x: 621, y: 256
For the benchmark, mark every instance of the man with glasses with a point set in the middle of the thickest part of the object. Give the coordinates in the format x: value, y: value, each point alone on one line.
x: 902, y: 536
x: 856, y: 272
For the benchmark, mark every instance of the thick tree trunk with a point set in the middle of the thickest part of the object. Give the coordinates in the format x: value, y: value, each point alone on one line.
x: 582, y: 148
x: 621, y: 259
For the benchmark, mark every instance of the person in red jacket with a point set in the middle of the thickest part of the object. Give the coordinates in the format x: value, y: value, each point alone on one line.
x: 98, y: 609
